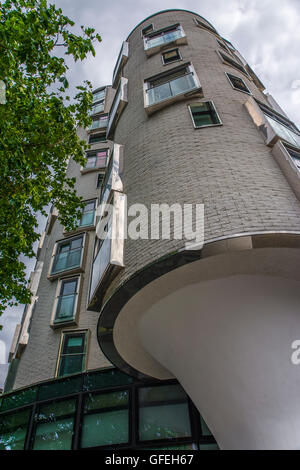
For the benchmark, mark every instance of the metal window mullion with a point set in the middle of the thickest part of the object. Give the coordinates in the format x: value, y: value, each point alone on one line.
x: 29, y: 437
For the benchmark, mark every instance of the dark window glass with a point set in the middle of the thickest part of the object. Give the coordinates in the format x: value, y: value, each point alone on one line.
x: 295, y: 157
x: 72, y: 357
x: 210, y: 446
x: 59, y: 388
x: 106, y: 419
x: 109, y: 378
x: 163, y: 413
x: 238, y: 83
x: 13, y: 430
x: 204, y: 114
x: 25, y: 397
x: 171, y: 56
x: 68, y: 255
x: 55, y: 426
x: 147, y: 29
x: 232, y: 62
x: 100, y: 178
x: 205, y: 26
x: 94, y: 138
x: 66, y: 301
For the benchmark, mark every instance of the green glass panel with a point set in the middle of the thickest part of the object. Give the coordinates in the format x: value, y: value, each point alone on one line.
x: 87, y: 218
x: 202, y: 120
x: 54, y: 435
x: 75, y: 342
x: 71, y: 365
x: 13, y: 429
x: 103, y: 379
x: 106, y: 400
x: 54, y: 410
x: 165, y: 393
x: 209, y: 446
x: 106, y: 428
x: 25, y: 397
x: 65, y: 309
x: 205, y: 428
x: 60, y: 388
x: 164, y: 422
x: 175, y: 447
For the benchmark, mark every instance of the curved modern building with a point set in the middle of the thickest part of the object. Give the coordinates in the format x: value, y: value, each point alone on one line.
x: 152, y: 342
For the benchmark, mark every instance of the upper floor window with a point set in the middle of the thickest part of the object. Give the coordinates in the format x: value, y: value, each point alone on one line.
x: 99, y: 122
x: 66, y: 302
x: 100, y: 178
x: 171, y: 56
x: 153, y: 41
x: 233, y: 63
x: 88, y: 214
x: 204, y: 114
x: 282, y: 126
x: 99, y: 95
x: 237, y: 83
x: 72, y: 357
x: 295, y: 156
x: 94, y: 138
x: 207, y: 26
x: 68, y: 254
x: 97, y: 108
x: 170, y: 85
x: 148, y: 29
x: 97, y: 159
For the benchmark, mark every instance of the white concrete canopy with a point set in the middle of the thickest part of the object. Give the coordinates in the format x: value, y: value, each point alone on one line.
x: 223, y: 326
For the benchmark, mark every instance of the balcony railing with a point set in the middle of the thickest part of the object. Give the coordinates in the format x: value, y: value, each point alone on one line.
x: 97, y: 108
x: 102, y: 260
x: 99, y: 95
x: 99, y: 123
x: 165, y: 37
x: 172, y: 88
x: 284, y: 132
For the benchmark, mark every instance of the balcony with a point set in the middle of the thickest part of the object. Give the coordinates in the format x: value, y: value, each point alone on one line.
x: 99, y: 95
x: 97, y: 108
x: 154, y: 41
x: 171, y: 87
x: 121, y: 61
x: 119, y: 103
x: 272, y: 125
x: 110, y: 256
x: 99, y: 123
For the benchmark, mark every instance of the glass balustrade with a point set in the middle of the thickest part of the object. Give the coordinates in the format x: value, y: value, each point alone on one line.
x: 284, y: 132
x: 172, y: 88
x: 102, y: 260
x: 67, y: 260
x: 164, y: 38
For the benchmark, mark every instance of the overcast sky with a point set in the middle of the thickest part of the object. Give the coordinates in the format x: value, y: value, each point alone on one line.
x: 266, y: 32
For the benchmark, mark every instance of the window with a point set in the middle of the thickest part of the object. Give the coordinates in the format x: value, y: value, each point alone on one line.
x: 119, y: 103
x: 94, y: 138
x: 229, y: 61
x: 238, y: 83
x: 99, y: 95
x: 72, y: 356
x: 204, y: 114
x: 171, y: 86
x: 88, y: 214
x: 13, y: 430
x: 153, y: 41
x: 171, y: 56
x: 54, y: 425
x: 68, y: 254
x: 97, y: 108
x: 295, y: 156
x: 99, y: 122
x: 163, y: 413
x: 147, y: 30
x: 66, y: 302
x: 106, y: 419
x: 100, y: 178
x: 284, y: 128
x: 201, y: 24
x: 97, y: 159
x: 221, y: 44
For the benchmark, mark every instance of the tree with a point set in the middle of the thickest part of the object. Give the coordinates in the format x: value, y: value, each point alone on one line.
x: 38, y: 123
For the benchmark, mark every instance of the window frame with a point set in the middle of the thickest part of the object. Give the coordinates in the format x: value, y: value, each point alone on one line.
x: 97, y: 142
x: 90, y: 226
x: 76, y: 309
x: 228, y: 75
x: 74, y: 270
x: 64, y: 334
x: 93, y: 153
x: 230, y: 62
x: 206, y: 27
x: 206, y: 125
x: 146, y: 27
x: 172, y: 61
x: 161, y: 32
